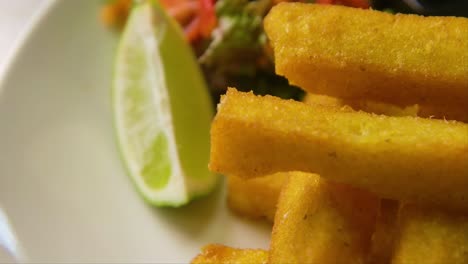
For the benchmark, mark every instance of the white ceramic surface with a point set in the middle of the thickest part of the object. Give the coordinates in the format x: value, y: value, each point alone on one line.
x: 64, y: 195
x: 14, y: 17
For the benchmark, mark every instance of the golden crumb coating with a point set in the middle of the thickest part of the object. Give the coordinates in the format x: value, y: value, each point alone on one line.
x: 372, y: 55
x: 255, y: 198
x: 383, y: 236
x: 400, y: 158
x: 322, y: 222
x: 219, y: 254
x: 430, y: 236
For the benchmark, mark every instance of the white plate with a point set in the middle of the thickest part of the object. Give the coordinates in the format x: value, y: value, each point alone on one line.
x: 63, y: 189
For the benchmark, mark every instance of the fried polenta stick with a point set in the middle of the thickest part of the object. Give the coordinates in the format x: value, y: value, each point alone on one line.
x: 366, y: 54
x: 255, y: 198
x: 430, y: 236
x: 400, y: 158
x: 382, y: 238
x: 217, y: 254
x: 322, y: 222
x: 446, y: 112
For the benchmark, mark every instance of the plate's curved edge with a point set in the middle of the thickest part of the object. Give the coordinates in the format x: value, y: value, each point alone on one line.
x: 23, y: 38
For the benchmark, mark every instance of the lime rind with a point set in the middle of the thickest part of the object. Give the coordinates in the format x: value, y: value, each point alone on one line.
x: 148, y: 141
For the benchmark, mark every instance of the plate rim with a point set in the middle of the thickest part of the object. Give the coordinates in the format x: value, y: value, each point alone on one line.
x: 16, y: 49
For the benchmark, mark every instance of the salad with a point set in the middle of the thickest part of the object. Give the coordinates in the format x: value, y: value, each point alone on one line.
x: 162, y: 120
x: 228, y: 39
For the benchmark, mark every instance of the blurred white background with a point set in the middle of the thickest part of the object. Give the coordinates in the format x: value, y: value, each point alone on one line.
x: 14, y: 17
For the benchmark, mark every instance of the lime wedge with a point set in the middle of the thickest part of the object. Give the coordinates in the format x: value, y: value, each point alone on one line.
x: 162, y: 110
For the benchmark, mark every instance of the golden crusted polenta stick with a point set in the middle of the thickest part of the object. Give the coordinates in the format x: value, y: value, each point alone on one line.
x: 322, y: 222
x: 430, y: 236
x: 365, y: 54
x: 383, y: 236
x: 218, y: 254
x: 256, y: 197
x: 400, y: 158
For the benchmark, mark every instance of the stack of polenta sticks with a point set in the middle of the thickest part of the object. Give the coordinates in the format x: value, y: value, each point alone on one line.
x: 373, y: 166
